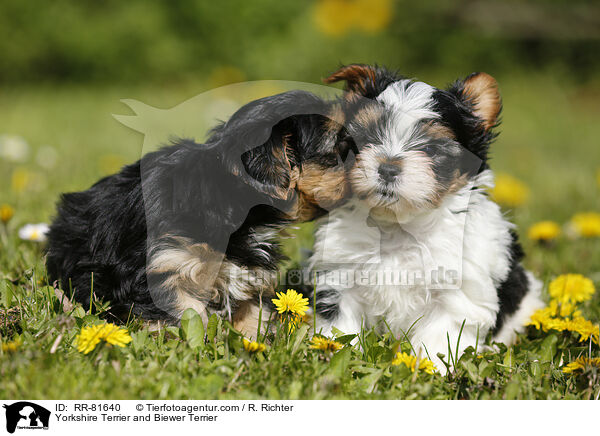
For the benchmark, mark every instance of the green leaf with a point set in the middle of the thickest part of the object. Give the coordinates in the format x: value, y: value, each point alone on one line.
x: 548, y: 348
x: 512, y: 390
x: 486, y: 368
x: 368, y: 382
x: 90, y: 319
x: 471, y: 369
x: 508, y: 358
x: 6, y: 294
x: 192, y: 328
x: 78, y: 312
x: 336, y: 332
x: 345, y: 339
x: 340, y: 361
x: 139, y: 339
x: 300, y: 334
x: 211, y: 327
x: 535, y: 370
x: 376, y: 351
x: 173, y: 331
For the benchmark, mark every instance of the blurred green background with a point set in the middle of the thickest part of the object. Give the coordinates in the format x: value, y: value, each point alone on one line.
x: 139, y: 41
x: 65, y: 65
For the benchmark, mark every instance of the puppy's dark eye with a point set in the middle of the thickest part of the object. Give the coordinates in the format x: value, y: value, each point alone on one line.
x: 345, y: 146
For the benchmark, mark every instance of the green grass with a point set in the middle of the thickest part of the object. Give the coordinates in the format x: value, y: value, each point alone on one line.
x: 548, y: 140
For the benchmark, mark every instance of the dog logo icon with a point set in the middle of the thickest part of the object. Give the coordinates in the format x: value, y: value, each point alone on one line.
x: 26, y: 415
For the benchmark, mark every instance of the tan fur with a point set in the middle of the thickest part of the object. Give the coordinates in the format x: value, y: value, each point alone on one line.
x: 284, y: 170
x: 325, y: 187
x: 482, y: 90
x: 246, y: 317
x: 198, y: 275
x: 387, y: 160
x: 459, y: 182
x: 305, y: 209
x: 356, y: 76
x: 439, y: 131
x: 191, y: 266
x: 335, y: 119
x: 369, y: 115
x: 155, y: 326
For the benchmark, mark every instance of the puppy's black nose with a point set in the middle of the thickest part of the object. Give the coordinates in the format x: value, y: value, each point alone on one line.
x: 388, y: 172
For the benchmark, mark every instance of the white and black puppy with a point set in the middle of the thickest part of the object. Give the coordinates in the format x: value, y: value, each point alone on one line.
x: 420, y: 244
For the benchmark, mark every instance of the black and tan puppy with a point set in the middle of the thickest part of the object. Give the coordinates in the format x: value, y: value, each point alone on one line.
x: 194, y: 225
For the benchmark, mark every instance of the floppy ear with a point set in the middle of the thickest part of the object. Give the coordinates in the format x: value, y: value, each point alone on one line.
x: 273, y: 166
x: 262, y: 140
x: 358, y: 77
x: 364, y: 80
x: 480, y: 90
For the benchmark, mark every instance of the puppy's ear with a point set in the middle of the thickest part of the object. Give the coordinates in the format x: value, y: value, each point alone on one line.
x: 358, y: 77
x: 480, y: 90
x: 262, y: 140
x: 364, y: 80
x: 272, y: 167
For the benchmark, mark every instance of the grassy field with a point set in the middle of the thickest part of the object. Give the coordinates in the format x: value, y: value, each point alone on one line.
x: 549, y: 141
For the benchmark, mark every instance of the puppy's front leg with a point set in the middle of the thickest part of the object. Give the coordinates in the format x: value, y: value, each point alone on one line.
x: 442, y: 334
x: 246, y: 318
x: 339, y: 309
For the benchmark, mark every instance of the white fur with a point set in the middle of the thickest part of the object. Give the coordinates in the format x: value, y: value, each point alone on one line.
x: 515, y: 323
x: 409, y: 103
x: 411, y: 98
x: 466, y: 233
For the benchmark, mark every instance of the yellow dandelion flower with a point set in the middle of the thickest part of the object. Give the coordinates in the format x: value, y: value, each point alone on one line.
x: 411, y: 363
x: 12, y: 346
x: 337, y: 17
x: 543, y: 318
x: 585, y: 328
x: 291, y: 302
x: 571, y: 287
x: 544, y: 231
x: 253, y: 346
x: 509, y: 191
x: 586, y: 224
x: 91, y: 336
x: 334, y: 17
x: 582, y: 363
x: 6, y: 213
x: 564, y: 317
x: 373, y: 15
x: 325, y: 344
x: 565, y: 309
x: 293, y: 321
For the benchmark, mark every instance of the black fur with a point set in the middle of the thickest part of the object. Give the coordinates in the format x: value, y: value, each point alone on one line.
x: 328, y: 303
x: 457, y: 113
x: 513, y: 289
x: 219, y: 193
